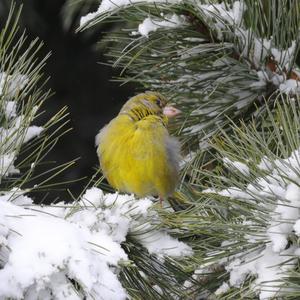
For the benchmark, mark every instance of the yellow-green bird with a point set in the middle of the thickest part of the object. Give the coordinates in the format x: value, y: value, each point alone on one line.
x: 136, y: 153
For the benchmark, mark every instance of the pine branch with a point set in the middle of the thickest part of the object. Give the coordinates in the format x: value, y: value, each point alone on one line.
x: 217, y: 64
x: 23, y: 145
x: 231, y: 67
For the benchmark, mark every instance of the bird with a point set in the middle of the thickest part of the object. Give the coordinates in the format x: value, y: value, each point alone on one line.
x: 136, y: 153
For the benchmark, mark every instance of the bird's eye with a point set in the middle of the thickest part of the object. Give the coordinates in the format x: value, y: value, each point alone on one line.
x: 158, y: 102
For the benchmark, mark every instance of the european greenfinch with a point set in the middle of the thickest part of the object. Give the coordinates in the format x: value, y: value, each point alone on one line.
x: 136, y: 153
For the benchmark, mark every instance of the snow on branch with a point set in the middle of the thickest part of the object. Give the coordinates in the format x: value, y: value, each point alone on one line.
x: 48, y: 250
x: 15, y: 127
x: 277, y: 196
x: 112, y: 5
x: 273, y: 63
x: 150, y: 25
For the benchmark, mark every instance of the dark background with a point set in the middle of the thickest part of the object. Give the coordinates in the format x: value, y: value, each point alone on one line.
x: 78, y: 81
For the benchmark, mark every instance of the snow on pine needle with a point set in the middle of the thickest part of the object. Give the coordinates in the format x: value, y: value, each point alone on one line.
x: 15, y: 128
x: 45, y: 250
x: 277, y: 197
x: 256, y: 205
x: 215, y: 63
x: 150, y: 25
x: 109, y: 6
x: 228, y: 61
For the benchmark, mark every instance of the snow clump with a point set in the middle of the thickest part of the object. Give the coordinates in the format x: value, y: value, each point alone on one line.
x: 45, y: 250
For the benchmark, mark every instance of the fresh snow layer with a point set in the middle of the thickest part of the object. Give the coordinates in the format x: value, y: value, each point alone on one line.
x: 267, y: 266
x: 7, y: 164
x: 16, y: 128
x: 227, y: 21
x: 278, y: 195
x: 9, y: 109
x: 290, y: 86
x: 236, y: 166
x: 230, y: 15
x: 10, y: 85
x: 10, y: 139
x: 31, y: 132
x: 150, y: 25
x: 43, y: 248
x: 260, y: 48
x: 222, y: 289
x: 111, y: 5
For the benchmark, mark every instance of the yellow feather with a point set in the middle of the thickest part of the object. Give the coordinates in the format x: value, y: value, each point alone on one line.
x: 136, y: 153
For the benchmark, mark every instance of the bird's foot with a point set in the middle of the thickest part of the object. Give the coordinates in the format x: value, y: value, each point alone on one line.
x: 161, y: 201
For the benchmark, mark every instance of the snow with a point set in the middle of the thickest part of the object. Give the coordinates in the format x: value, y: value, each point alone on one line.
x: 277, y: 195
x: 10, y: 109
x: 231, y: 15
x: 44, y: 247
x: 290, y: 86
x: 199, y: 275
x: 277, y: 191
x: 287, y: 211
x: 7, y: 164
x: 16, y: 127
x: 226, y: 20
x: 158, y: 289
x: 194, y: 39
x: 254, y: 47
x: 221, y: 15
x: 111, y: 5
x: 162, y: 244
x: 186, y: 160
x: 296, y: 227
x: 269, y: 267
x: 32, y: 132
x: 17, y: 133
x: 11, y: 85
x: 277, y: 79
x: 150, y: 25
x: 222, y: 289
x: 261, y: 49
x: 236, y: 166
x: 263, y: 78
x: 284, y: 57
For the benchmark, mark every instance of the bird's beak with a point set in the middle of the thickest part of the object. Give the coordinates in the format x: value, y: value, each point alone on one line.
x: 171, y: 111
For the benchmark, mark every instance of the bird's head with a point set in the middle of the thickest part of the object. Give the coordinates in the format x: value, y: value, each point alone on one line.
x: 149, y: 103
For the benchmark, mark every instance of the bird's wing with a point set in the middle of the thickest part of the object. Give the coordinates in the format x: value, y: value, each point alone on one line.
x: 151, y: 133
x: 158, y: 152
